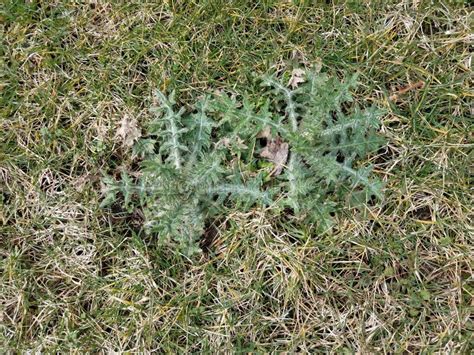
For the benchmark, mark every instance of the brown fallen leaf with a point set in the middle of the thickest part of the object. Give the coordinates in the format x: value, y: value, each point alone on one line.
x: 418, y: 85
x: 128, y: 131
x: 297, y: 77
x: 276, y: 151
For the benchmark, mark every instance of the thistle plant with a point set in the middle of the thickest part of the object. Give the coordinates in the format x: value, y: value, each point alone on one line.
x: 295, y: 151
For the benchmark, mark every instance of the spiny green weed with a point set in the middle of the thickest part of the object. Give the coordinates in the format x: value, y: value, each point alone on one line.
x: 207, y: 162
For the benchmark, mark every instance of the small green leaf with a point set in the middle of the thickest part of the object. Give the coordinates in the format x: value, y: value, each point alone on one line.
x: 425, y: 295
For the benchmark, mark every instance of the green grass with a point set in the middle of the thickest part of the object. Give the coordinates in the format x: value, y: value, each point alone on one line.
x: 75, y: 277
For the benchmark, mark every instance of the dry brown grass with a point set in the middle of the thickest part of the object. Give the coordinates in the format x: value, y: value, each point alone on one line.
x: 77, y: 278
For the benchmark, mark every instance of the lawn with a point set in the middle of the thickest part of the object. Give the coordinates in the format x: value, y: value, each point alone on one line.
x: 76, y: 277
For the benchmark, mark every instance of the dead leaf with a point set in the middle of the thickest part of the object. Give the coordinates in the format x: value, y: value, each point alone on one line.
x: 128, y: 131
x: 297, y: 77
x: 418, y: 85
x: 227, y: 142
x: 276, y: 151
